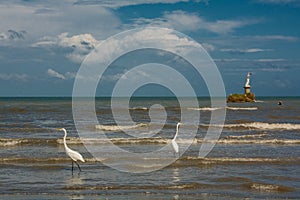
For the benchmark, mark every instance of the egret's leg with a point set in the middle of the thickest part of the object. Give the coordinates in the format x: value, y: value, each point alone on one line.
x: 78, y: 166
x: 72, y: 166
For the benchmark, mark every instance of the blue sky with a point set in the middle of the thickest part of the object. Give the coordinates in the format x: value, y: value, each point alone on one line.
x: 42, y: 43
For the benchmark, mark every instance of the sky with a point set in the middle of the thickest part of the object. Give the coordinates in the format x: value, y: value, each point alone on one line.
x: 43, y: 43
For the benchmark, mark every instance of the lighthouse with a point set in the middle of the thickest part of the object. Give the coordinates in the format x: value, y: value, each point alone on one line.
x: 247, y: 84
x: 246, y: 97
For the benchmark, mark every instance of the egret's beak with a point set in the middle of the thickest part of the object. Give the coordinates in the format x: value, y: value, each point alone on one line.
x: 59, y: 129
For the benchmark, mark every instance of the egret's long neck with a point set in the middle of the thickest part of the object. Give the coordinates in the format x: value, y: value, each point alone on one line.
x: 177, y: 128
x: 65, y: 142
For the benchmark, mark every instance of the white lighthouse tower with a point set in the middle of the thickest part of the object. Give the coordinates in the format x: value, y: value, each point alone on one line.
x: 247, y: 84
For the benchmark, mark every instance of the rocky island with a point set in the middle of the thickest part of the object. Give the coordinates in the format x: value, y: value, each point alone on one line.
x: 246, y: 97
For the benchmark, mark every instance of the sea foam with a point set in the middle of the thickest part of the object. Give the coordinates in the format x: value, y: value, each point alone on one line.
x: 118, y: 128
x: 265, y: 126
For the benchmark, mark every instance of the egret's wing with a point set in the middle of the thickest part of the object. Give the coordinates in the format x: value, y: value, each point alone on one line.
x: 75, y: 155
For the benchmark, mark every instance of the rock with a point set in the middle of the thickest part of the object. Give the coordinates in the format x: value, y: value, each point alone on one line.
x: 239, y: 98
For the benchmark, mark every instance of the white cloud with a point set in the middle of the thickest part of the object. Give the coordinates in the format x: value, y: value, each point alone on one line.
x: 149, y: 37
x: 183, y: 21
x: 270, y: 60
x: 3, y: 36
x: 230, y: 60
x: 262, y: 60
x: 50, y: 18
x: 55, y: 74
x: 272, y: 69
x: 166, y: 39
x: 81, y: 44
x: 243, y: 51
x: 224, y: 26
x: 44, y: 43
x: 70, y: 75
x: 208, y: 47
x: 276, y: 37
x: 123, y: 3
x: 67, y: 75
x: 19, y: 77
x: 82, y: 41
x: 255, y: 50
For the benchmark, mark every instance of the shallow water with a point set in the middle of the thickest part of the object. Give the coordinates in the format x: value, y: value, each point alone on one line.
x: 257, y: 155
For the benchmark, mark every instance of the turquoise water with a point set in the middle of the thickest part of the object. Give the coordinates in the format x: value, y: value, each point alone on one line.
x: 257, y: 155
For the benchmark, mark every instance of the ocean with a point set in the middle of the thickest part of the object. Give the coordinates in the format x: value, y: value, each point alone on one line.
x: 257, y: 155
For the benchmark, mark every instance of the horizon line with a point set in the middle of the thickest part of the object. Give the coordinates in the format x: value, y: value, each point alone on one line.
x: 268, y: 96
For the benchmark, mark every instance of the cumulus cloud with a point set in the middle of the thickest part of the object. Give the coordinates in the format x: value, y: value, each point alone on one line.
x: 80, y: 45
x: 55, y: 74
x: 183, y: 21
x: 82, y: 41
x: 54, y: 17
x: 163, y: 38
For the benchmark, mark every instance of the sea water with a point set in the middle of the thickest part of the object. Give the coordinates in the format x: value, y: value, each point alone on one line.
x: 256, y: 156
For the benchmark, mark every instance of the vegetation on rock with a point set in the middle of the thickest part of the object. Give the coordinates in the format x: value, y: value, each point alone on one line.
x: 250, y: 97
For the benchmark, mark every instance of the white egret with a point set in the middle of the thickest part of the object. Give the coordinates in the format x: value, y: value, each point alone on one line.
x: 74, y: 155
x: 173, y: 142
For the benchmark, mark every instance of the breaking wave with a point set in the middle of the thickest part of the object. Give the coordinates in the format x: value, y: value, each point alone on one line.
x: 262, y: 187
x: 259, y: 101
x: 260, y: 141
x: 5, y: 142
x: 265, y: 126
x: 241, y: 108
x: 181, y: 162
x: 232, y: 160
x: 139, y: 108
x: 144, y: 140
x: 227, y: 107
x: 205, y: 109
x: 118, y: 128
